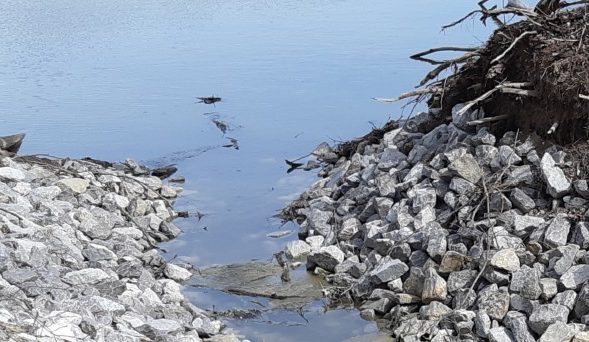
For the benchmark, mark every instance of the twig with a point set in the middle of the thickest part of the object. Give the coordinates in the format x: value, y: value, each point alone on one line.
x: 584, y: 97
x: 512, y: 45
x: 417, y: 92
x: 488, y: 94
x: 518, y: 91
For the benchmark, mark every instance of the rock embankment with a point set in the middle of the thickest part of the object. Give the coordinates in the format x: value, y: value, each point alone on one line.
x: 78, y: 256
x: 453, y: 233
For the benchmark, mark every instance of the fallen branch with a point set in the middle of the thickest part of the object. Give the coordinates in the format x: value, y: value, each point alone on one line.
x: 552, y: 128
x: 584, y: 97
x: 417, y: 92
x: 512, y: 45
x: 488, y: 94
x: 522, y: 92
x: 489, y: 119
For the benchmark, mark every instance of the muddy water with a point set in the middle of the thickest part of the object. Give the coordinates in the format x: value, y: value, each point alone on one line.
x: 116, y: 79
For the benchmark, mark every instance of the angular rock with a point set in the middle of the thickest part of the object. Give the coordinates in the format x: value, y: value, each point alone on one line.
x: 545, y: 315
x: 467, y: 167
x: 388, y: 269
x: 557, y: 232
x: 297, y: 249
x: 506, y: 259
x: 326, y: 257
x: 557, y: 184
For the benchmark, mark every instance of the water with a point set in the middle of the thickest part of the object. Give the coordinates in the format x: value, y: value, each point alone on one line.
x: 119, y: 78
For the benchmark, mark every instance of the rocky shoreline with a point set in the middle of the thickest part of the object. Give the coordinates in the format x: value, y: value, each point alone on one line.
x: 79, y: 258
x: 452, y: 233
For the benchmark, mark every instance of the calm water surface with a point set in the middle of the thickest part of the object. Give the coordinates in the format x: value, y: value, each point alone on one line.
x: 119, y: 78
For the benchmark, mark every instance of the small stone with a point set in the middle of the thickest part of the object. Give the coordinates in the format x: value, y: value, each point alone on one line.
x: 500, y: 334
x: 460, y: 280
x: 94, y: 252
x: 434, y: 310
x: 326, y: 257
x: 557, y: 232
x: 506, y: 259
x: 508, y: 157
x: 545, y: 315
x: 581, y: 235
x: 452, y: 262
x: 556, y: 182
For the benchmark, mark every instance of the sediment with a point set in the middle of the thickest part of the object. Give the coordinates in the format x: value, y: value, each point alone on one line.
x: 79, y: 258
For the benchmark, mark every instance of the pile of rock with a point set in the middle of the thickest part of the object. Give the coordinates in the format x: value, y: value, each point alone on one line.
x: 453, y: 234
x: 78, y: 260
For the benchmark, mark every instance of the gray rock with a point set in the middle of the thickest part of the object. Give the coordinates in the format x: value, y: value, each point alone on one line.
x: 520, y: 175
x: 582, y: 188
x: 557, y: 232
x: 545, y: 315
x: 581, y: 235
x: 94, y: 252
x: 575, y: 277
x: 581, y: 307
x: 380, y: 306
x: 461, y: 118
x: 558, y: 332
x: 434, y: 287
x: 482, y: 324
x: 516, y: 323
x: 499, y: 202
x: 20, y: 275
x: 523, y: 225
x: 460, y: 280
x: 349, y: 228
x: 508, y: 157
x: 75, y: 185
x: 466, y: 167
x: 522, y: 304
x: 521, y: 200
x: 10, y: 174
x: 549, y: 288
x: 506, y: 259
x: 391, y: 158
x: 326, y: 257
x: 434, y: 311
x: 557, y: 183
x: 388, y: 269
x: 494, y: 303
x: 297, y: 249
x: 86, y: 276
x: 526, y: 282
x: 177, y: 273
x: 500, y: 334
x: 566, y: 298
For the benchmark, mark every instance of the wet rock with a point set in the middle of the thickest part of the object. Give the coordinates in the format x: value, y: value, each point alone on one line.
x: 326, y: 258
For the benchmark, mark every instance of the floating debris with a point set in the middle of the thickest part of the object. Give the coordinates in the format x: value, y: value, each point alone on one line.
x: 234, y: 143
x: 209, y: 99
x: 279, y: 234
x: 221, y: 125
x: 292, y: 165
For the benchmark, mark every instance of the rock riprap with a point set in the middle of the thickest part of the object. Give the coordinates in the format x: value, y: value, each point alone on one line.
x: 454, y: 233
x: 78, y: 256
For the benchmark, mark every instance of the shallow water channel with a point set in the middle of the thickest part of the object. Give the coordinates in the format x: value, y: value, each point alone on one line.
x: 114, y: 79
